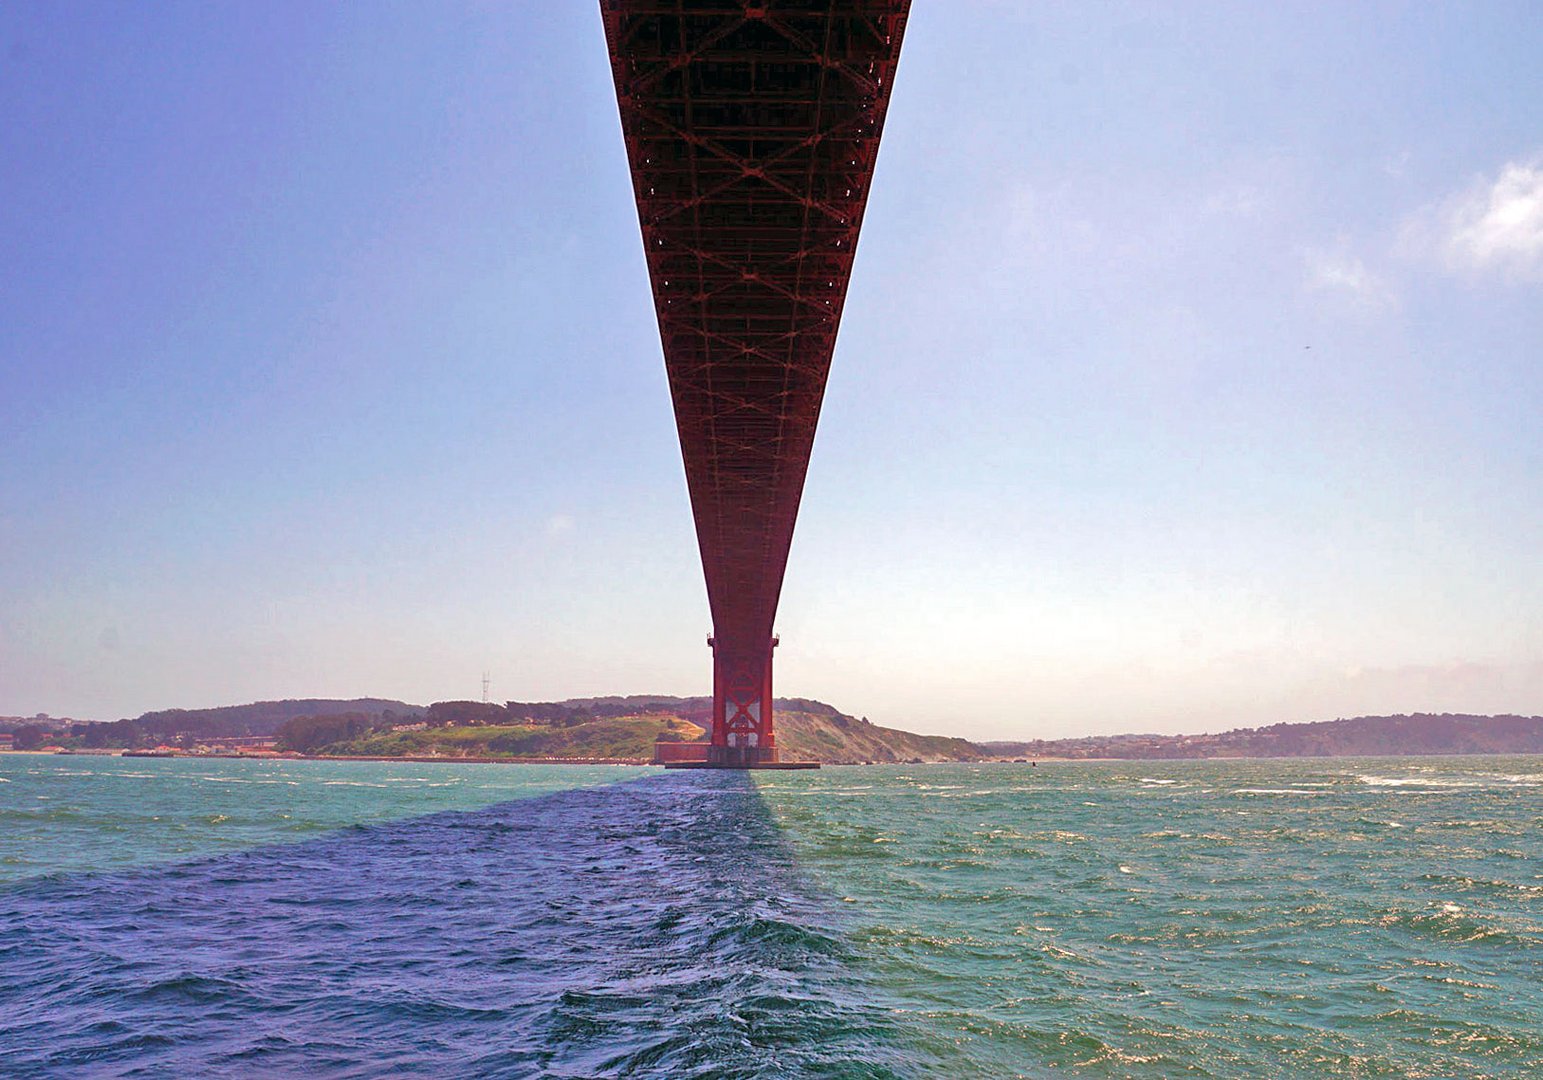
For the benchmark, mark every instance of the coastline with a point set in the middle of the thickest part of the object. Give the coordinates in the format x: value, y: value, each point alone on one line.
x: 423, y: 758
x: 431, y: 759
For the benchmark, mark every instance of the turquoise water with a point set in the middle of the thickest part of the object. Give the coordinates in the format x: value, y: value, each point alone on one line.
x: 1361, y: 918
x: 1369, y: 917
x: 85, y: 812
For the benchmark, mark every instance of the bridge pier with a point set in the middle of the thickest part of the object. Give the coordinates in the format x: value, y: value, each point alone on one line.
x: 743, y: 736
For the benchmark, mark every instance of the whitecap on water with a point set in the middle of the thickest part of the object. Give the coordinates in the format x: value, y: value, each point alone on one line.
x: 1418, y: 782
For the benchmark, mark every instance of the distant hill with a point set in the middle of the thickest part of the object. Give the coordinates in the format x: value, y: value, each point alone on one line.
x: 626, y: 727
x: 264, y: 717
x: 814, y: 731
x: 620, y: 737
x: 1369, y: 736
x: 810, y: 730
x: 228, y: 721
x: 616, y: 727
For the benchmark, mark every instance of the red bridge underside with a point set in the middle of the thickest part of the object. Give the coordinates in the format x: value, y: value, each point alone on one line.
x: 752, y: 130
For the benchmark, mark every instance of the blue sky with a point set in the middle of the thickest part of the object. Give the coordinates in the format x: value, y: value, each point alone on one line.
x: 1189, y: 376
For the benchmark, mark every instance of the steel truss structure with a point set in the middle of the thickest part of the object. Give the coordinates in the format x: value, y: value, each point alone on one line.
x: 751, y: 129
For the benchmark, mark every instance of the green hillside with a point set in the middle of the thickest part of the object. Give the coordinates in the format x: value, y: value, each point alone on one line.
x: 605, y: 728
x: 612, y: 737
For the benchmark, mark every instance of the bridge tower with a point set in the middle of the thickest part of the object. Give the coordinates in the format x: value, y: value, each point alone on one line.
x: 751, y: 129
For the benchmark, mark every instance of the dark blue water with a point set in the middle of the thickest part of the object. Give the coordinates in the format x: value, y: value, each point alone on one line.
x: 656, y: 927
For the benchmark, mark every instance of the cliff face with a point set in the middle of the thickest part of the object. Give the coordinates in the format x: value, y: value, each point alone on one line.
x: 836, y: 739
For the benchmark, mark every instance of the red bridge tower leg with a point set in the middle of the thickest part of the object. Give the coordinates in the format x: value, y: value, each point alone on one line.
x: 742, y: 705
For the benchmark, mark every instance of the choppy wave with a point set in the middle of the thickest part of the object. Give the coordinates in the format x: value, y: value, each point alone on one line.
x: 1080, y: 919
x: 649, y: 928
x: 118, y: 812
x: 1264, y: 918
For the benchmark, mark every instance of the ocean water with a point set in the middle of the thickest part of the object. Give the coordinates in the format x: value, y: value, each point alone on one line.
x: 1357, y: 918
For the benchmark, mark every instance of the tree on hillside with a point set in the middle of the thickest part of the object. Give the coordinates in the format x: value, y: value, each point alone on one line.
x: 307, y: 734
x: 119, y: 734
x: 467, y: 713
x: 28, y: 737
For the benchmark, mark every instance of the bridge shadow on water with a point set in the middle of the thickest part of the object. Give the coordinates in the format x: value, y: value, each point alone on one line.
x: 657, y: 927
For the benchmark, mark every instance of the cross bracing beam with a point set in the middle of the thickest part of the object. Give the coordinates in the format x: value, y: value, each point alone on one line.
x: 751, y: 129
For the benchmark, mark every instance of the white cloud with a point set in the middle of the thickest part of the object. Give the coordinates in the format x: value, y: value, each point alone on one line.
x: 1344, y: 273
x: 1496, y: 225
x: 559, y: 525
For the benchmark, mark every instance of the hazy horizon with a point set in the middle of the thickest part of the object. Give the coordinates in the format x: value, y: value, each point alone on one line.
x: 1189, y: 377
